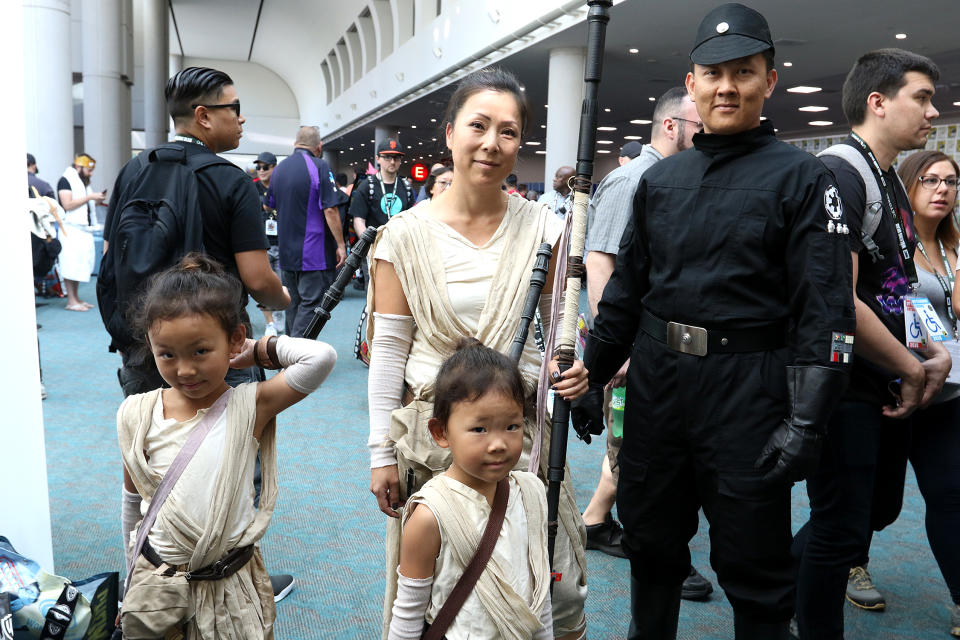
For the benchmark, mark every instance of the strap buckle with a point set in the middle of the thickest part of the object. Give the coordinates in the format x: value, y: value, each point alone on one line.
x: 687, y: 338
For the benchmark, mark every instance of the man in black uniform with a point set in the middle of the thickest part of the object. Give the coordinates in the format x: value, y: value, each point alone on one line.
x: 740, y: 343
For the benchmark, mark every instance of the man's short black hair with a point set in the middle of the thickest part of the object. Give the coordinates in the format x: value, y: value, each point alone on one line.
x: 342, y: 179
x: 194, y: 85
x: 883, y: 71
x: 511, y: 180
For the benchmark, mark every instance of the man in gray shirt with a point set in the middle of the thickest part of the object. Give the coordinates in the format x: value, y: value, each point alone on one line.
x: 675, y: 121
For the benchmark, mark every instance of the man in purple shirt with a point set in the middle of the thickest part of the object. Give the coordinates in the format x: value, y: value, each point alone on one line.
x: 310, y: 237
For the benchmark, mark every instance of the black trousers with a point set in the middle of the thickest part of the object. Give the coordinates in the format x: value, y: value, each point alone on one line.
x: 306, y: 291
x: 858, y: 489
x: 693, y: 430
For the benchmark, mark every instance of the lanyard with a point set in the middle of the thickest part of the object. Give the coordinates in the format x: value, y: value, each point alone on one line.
x: 392, y: 194
x: 182, y: 137
x: 945, y: 283
x: 905, y: 254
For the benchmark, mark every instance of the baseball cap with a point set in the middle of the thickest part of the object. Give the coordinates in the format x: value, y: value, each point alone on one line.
x: 267, y: 158
x: 729, y: 32
x: 30, y: 159
x: 631, y: 150
x: 389, y: 146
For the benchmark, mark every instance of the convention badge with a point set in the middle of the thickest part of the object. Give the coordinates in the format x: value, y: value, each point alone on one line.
x: 841, y: 347
x: 390, y: 204
x: 271, y: 227
x: 933, y: 327
x: 916, y: 337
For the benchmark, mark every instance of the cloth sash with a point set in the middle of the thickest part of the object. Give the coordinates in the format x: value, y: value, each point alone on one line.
x: 514, y: 617
x: 81, y: 216
x: 233, y: 608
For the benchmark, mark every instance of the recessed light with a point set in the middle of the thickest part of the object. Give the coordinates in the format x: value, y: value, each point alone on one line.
x: 433, y: 119
x: 812, y: 109
x: 541, y: 152
x: 606, y: 128
x: 413, y: 126
x: 606, y: 109
x: 532, y: 143
x: 901, y: 36
x: 762, y: 118
x: 543, y: 126
x: 634, y: 50
x: 603, y: 150
x: 820, y: 123
x: 546, y: 106
x: 351, y: 148
x: 956, y: 104
x: 641, y: 121
x: 803, y: 89
x: 604, y: 141
x: 652, y: 99
x: 788, y: 64
x: 420, y: 143
x: 433, y: 139
x: 633, y: 137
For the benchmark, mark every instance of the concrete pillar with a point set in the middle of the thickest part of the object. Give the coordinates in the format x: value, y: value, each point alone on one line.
x: 106, y: 97
x: 156, y: 63
x: 25, y: 514
x: 48, y: 85
x: 565, y: 98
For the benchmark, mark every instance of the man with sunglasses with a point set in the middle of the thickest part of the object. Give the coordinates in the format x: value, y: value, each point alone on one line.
x: 266, y: 162
x: 675, y: 121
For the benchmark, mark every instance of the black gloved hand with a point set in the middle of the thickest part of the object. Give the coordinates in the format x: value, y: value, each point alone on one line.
x: 586, y: 413
x: 793, y: 450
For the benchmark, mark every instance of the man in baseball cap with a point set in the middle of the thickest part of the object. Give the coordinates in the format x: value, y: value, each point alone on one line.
x: 741, y: 343
x: 630, y: 151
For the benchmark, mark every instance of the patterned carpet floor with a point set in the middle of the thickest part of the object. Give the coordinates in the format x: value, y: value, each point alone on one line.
x: 327, y: 530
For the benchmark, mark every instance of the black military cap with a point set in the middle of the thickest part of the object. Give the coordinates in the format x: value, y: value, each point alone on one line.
x: 729, y: 32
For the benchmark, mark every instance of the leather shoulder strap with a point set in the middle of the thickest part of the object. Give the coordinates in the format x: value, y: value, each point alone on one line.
x: 448, y: 612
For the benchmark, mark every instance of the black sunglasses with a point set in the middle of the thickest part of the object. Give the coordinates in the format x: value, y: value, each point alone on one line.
x: 229, y: 105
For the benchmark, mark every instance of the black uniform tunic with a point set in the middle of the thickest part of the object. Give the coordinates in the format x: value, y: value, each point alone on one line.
x: 740, y: 232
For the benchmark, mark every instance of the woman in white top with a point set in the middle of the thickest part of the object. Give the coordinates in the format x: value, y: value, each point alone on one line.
x: 460, y: 265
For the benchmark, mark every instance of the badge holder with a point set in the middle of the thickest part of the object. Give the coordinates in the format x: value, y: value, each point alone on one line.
x: 922, y: 323
x: 271, y: 227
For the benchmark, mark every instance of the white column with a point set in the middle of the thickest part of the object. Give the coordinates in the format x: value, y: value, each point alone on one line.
x: 48, y: 84
x: 25, y: 514
x: 565, y: 97
x: 106, y: 98
x: 156, y: 63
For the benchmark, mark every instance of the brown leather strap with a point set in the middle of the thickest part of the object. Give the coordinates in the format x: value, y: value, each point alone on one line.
x: 272, y: 352
x: 256, y: 355
x: 471, y: 574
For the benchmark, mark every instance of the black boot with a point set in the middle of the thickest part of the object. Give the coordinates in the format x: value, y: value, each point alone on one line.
x: 749, y: 629
x: 654, y: 611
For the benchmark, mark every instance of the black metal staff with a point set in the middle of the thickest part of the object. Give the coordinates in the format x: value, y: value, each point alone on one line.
x: 334, y: 294
x: 537, y: 280
x: 597, y: 20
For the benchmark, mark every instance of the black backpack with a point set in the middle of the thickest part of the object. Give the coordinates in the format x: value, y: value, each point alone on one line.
x: 156, y: 223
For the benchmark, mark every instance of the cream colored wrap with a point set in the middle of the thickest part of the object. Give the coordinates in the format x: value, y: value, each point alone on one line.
x: 240, y: 606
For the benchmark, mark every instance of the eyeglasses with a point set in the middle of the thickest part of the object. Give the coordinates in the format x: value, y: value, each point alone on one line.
x: 696, y: 123
x: 392, y: 156
x: 264, y: 167
x: 443, y: 184
x: 932, y: 183
x: 229, y: 105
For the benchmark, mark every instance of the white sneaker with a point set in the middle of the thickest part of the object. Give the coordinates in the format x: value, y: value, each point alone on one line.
x: 278, y: 321
x: 271, y: 330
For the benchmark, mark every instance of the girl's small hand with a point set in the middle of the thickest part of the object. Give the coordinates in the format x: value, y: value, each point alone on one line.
x: 244, y: 359
x: 572, y: 383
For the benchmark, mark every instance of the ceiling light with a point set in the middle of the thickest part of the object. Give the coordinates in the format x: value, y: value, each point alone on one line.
x: 633, y: 137
x: 956, y: 104
x: 543, y: 126
x: 606, y: 128
x: 603, y: 150
x: 541, y: 152
x: 820, y: 123
x: 901, y: 36
x: 606, y: 109
x: 546, y: 106
x: 351, y: 148
x: 788, y: 64
x: 604, y: 141
x: 373, y: 141
x: 762, y: 118
x: 437, y: 52
x: 803, y: 89
x: 634, y: 50
x: 652, y: 99
x: 812, y: 109
x: 433, y: 119
x: 420, y: 143
x: 433, y: 139
x: 413, y: 126
x: 532, y: 143
x: 641, y: 121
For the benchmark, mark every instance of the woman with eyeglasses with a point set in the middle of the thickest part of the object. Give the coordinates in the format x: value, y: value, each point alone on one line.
x: 930, y: 178
x: 437, y: 182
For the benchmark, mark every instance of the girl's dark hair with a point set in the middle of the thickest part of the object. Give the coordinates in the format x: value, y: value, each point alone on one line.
x: 488, y: 79
x: 198, y: 284
x: 472, y: 371
x: 432, y: 179
x: 911, y: 169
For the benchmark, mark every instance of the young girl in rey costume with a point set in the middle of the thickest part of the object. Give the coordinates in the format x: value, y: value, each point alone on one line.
x: 478, y: 413
x: 199, y: 573
x: 458, y: 266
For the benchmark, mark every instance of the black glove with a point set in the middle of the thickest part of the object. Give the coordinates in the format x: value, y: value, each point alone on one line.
x: 603, y: 359
x: 793, y: 450
x: 586, y: 413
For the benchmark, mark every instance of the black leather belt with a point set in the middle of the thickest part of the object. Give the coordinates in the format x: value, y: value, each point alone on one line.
x: 699, y: 341
x: 222, y: 568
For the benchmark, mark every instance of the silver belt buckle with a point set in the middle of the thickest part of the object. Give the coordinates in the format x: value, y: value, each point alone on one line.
x: 687, y: 338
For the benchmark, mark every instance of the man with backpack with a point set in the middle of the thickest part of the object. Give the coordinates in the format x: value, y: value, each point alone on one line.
x: 181, y: 197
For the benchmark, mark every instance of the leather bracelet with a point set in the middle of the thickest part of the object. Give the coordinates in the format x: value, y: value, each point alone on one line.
x: 269, y: 360
x: 272, y: 352
x: 256, y: 356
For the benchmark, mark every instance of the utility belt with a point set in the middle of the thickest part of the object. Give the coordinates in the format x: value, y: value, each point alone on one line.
x: 699, y: 341
x: 222, y: 568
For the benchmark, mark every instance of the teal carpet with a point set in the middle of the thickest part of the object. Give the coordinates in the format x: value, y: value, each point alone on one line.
x: 327, y: 530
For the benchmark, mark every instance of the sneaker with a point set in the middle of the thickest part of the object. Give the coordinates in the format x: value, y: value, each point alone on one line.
x: 270, y: 330
x: 862, y: 593
x: 606, y: 537
x: 794, y: 628
x: 955, y: 621
x: 282, y: 586
x: 696, y: 587
x: 43, y: 392
x: 278, y: 322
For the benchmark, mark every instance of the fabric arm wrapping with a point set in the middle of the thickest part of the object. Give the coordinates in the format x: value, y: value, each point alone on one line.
x: 129, y: 516
x: 306, y: 363
x: 390, y: 347
x: 546, y: 619
x: 546, y: 319
x: 410, y: 606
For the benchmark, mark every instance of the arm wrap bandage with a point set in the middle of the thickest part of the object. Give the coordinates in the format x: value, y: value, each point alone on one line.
x: 306, y: 363
x: 392, y: 337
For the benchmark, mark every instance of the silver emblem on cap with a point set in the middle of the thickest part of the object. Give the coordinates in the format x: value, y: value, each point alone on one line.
x: 723, y: 27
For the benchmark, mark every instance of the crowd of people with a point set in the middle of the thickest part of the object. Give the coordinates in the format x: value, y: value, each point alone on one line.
x: 756, y: 316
